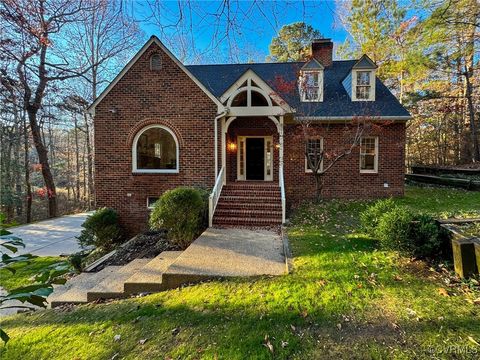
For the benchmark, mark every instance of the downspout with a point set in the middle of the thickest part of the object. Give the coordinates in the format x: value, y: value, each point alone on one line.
x: 219, y: 116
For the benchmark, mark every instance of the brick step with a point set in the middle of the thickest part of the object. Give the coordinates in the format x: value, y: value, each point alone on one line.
x: 218, y: 220
x: 225, y: 205
x: 249, y: 199
x: 257, y: 214
x: 250, y: 193
x: 252, y: 186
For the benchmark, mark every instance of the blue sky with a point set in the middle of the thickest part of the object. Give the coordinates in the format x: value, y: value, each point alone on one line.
x: 203, y: 38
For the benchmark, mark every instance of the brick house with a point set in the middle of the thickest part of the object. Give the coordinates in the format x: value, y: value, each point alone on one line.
x: 243, y: 131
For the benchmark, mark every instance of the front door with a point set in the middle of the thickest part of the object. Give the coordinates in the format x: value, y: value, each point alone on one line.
x: 255, y: 158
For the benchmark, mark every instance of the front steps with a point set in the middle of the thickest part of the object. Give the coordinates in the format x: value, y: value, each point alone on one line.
x: 115, y: 282
x: 249, y: 204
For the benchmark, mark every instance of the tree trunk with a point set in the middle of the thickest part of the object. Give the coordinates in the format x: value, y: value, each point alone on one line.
x: 28, y: 185
x: 91, y: 189
x: 43, y: 159
x: 471, y: 116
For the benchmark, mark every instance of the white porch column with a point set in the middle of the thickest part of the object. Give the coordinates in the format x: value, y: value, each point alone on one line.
x: 223, y: 151
x: 280, y: 152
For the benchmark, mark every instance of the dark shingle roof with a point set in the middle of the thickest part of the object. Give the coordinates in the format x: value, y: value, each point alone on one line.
x: 336, y: 102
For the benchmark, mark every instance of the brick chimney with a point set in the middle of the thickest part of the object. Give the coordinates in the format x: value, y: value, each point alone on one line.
x: 322, y: 50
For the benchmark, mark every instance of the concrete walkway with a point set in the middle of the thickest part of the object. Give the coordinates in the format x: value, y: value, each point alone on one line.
x: 231, y: 252
x: 52, y: 237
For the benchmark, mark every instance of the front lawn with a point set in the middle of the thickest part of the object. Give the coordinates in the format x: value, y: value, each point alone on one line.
x: 24, y: 273
x: 344, y: 299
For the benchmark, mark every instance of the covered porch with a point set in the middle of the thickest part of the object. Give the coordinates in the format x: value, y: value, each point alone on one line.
x: 249, y: 142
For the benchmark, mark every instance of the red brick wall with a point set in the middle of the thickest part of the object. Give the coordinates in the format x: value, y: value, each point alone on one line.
x: 344, y: 179
x: 143, y: 97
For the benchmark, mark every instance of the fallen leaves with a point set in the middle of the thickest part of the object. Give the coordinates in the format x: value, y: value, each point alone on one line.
x: 268, y: 344
x: 443, y: 292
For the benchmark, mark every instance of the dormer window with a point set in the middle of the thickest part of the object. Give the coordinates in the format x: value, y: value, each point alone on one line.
x: 363, y: 87
x: 360, y: 82
x: 310, y: 84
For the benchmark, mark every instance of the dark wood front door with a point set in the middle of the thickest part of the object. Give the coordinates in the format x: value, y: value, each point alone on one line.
x: 255, y: 158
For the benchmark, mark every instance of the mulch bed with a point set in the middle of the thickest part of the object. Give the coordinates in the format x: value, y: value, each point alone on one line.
x: 143, y: 246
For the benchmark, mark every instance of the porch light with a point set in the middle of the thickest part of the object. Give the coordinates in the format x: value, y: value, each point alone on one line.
x: 232, y: 146
x: 277, y: 146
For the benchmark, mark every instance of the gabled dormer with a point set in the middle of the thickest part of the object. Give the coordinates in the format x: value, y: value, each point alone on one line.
x: 310, y: 82
x: 360, y: 82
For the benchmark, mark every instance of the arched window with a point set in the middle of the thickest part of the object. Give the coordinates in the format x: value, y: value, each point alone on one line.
x: 155, y: 62
x: 242, y: 99
x: 155, y: 150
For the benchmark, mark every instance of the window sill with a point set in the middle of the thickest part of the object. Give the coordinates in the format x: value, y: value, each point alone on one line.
x: 372, y: 172
x: 154, y: 172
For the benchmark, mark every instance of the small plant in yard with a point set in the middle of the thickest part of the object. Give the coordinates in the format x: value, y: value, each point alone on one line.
x: 371, y: 216
x: 101, y: 229
x: 181, y: 212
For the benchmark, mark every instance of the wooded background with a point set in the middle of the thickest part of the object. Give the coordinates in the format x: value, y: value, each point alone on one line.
x: 57, y: 55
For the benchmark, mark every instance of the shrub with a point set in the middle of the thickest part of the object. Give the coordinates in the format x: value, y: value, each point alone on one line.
x: 370, y: 217
x: 393, y: 229
x: 179, y: 211
x: 412, y: 234
x: 101, y: 229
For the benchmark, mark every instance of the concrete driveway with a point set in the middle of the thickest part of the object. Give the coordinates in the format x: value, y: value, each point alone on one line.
x: 52, y: 237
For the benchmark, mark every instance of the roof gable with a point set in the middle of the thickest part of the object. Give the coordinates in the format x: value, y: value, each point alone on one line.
x: 313, y: 64
x: 365, y: 63
x: 152, y: 40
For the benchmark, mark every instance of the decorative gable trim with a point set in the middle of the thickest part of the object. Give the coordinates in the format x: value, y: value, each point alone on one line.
x: 365, y: 63
x: 312, y: 64
x: 153, y: 39
x: 266, y: 90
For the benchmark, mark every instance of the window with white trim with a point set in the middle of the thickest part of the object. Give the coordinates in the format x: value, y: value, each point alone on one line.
x: 155, y: 150
x: 310, y: 86
x: 369, y: 155
x: 151, y: 200
x: 363, y: 85
x: 314, y: 151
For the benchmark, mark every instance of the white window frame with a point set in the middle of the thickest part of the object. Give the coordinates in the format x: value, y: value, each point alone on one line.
x: 320, y: 86
x: 154, y: 171
x: 371, y: 94
x: 307, y: 170
x: 149, y: 197
x: 375, y: 162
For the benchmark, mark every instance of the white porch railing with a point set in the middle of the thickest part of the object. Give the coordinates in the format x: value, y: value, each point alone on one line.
x: 282, y: 193
x: 215, y: 195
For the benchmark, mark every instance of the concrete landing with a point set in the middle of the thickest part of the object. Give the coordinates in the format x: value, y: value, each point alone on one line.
x: 230, y: 252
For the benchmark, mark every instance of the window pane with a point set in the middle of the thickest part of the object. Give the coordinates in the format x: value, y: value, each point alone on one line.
x: 156, y: 149
x: 363, y: 77
x: 367, y: 154
x: 363, y: 92
x: 314, y: 152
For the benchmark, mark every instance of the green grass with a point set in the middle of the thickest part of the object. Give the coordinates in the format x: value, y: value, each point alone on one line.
x: 24, y: 272
x: 344, y: 299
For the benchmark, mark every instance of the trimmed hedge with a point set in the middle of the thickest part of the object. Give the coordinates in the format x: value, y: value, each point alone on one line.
x: 181, y: 212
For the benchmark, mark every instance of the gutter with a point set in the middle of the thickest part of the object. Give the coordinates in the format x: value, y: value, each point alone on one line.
x: 347, y: 118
